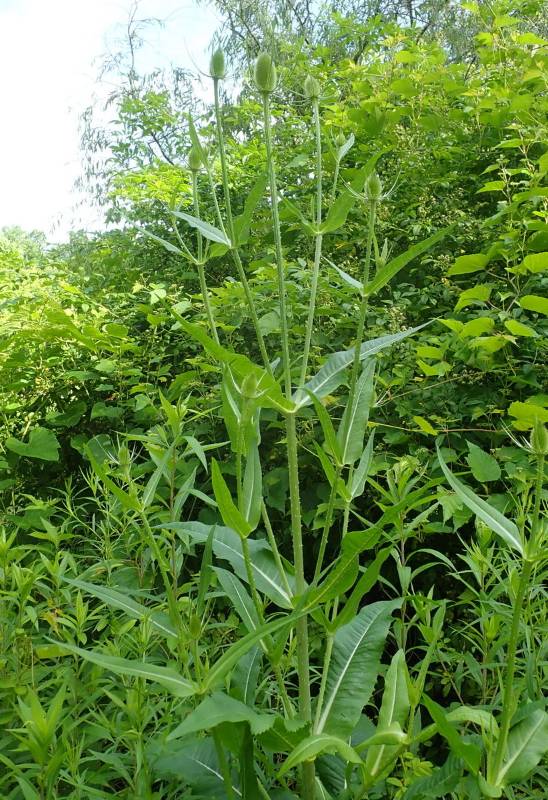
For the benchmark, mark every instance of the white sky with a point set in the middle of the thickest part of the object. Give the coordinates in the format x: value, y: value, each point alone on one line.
x: 47, y: 77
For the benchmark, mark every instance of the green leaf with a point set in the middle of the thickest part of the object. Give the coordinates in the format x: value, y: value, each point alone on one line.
x: 477, y: 294
x: 532, y: 302
x: 239, y: 597
x: 331, y: 375
x: 391, y: 269
x: 340, y: 208
x: 363, y: 586
x: 168, y: 678
x: 232, y: 517
x: 252, y: 488
x: 311, y: 747
x: 470, y: 263
x: 223, y: 666
x: 484, y: 467
x: 243, y: 221
x: 361, y: 472
x: 249, y: 785
x: 228, y: 546
x: 331, y: 441
x: 159, y: 621
x: 475, y: 327
x: 42, y: 444
x: 534, y: 262
x: 527, y: 744
x: 208, y: 231
x: 496, y: 521
x: 354, y: 668
x: 221, y: 708
x: 171, y: 248
x: 492, y: 186
x: 394, y: 709
x: 354, y: 420
x: 519, y: 329
x: 470, y: 753
x: 271, y: 394
x: 425, y: 426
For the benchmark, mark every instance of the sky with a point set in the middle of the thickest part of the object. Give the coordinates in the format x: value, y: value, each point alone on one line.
x: 50, y: 51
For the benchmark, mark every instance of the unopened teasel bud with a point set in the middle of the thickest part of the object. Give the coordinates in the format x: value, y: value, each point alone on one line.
x: 217, y: 65
x: 340, y: 139
x: 311, y: 88
x: 539, y: 439
x: 194, y: 159
x: 266, y: 77
x: 373, y: 187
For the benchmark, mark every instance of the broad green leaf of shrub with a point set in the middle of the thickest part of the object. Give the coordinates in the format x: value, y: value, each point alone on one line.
x: 519, y: 329
x: 470, y: 263
x: 476, y: 294
x: 42, y: 443
x: 527, y: 413
x: 534, y: 262
x: 484, y: 467
x: 532, y: 302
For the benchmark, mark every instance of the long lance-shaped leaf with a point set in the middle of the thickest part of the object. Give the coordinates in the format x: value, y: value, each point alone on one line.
x: 159, y: 621
x: 354, y: 668
x: 394, y: 709
x: 337, y: 214
x: 228, y: 546
x: 496, y: 521
x: 232, y: 516
x: 527, y: 744
x: 269, y: 390
x: 357, y: 483
x: 226, y: 662
x: 311, y: 747
x: 355, y: 418
x: 239, y: 597
x: 331, y: 375
x: 243, y: 222
x: 169, y: 246
x: 166, y: 677
x: 252, y: 489
x: 391, y: 269
x: 208, y: 231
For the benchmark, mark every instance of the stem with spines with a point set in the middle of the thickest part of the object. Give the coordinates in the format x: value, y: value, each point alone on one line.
x: 523, y: 585
x: 231, y: 231
x: 303, y: 666
x: 318, y: 243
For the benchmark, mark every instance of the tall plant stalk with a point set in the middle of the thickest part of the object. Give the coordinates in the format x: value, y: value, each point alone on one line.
x: 318, y: 240
x: 508, y: 695
x: 265, y: 76
x: 200, y: 266
x: 231, y: 231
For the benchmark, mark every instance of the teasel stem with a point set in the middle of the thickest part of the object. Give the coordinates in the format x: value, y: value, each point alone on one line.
x: 231, y: 232
x: 200, y: 266
x: 508, y: 704
x: 303, y: 665
x: 351, y: 394
x: 318, y: 243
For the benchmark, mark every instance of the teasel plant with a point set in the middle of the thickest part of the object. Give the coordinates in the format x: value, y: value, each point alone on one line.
x: 276, y: 601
